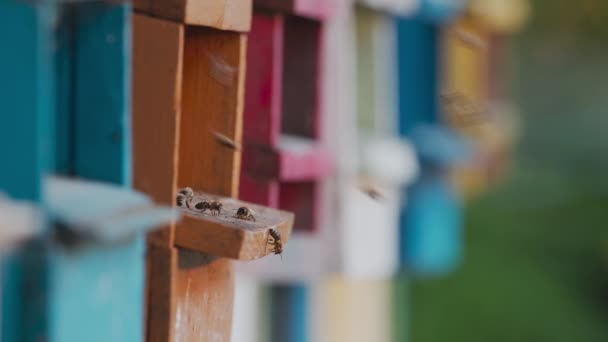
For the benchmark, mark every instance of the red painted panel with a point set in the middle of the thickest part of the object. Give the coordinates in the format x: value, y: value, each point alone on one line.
x: 263, y: 95
x: 259, y: 191
x: 301, y: 199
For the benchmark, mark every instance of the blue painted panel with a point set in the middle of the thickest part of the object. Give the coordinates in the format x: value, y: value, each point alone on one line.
x: 97, y: 293
x: 431, y: 236
x: 26, y: 149
x: 289, y: 313
x: 26, y: 90
x: 100, y: 288
x: 431, y: 223
x: 102, y: 92
x: 64, y: 70
x: 417, y: 53
x: 440, y: 11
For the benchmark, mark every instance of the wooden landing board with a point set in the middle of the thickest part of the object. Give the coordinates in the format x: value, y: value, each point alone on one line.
x: 229, y: 15
x: 227, y: 236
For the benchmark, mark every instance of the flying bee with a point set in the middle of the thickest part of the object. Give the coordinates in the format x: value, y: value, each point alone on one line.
x: 470, y: 39
x: 372, y: 192
x: 225, y: 141
x: 276, y: 242
x: 244, y: 213
x: 215, y: 207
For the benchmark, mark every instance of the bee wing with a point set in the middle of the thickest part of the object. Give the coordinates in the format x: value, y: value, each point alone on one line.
x: 105, y: 211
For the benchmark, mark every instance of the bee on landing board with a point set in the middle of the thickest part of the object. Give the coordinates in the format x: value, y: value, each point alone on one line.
x: 187, y: 191
x: 244, y: 213
x: 215, y: 207
x: 276, y: 242
x: 180, y: 200
x: 202, y: 206
x: 184, y: 196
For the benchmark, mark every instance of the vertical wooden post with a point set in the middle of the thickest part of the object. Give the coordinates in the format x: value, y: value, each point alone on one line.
x: 189, y: 85
x: 213, y: 89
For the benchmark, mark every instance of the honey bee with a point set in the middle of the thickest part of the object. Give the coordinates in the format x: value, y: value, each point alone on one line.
x: 187, y: 191
x: 470, y: 39
x: 215, y: 207
x: 244, y: 213
x: 276, y: 242
x: 180, y: 200
x: 225, y: 141
x: 202, y: 206
x: 372, y: 192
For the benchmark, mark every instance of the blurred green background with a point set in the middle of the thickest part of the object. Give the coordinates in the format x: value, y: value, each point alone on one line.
x: 536, y: 266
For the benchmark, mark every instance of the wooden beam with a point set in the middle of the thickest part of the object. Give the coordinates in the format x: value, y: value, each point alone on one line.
x: 227, y: 236
x: 189, y: 88
x: 229, y: 15
x: 157, y: 83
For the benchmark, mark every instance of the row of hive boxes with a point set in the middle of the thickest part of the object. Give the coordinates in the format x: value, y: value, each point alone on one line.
x: 320, y: 129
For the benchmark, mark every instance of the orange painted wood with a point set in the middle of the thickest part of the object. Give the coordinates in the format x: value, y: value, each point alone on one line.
x: 230, y: 15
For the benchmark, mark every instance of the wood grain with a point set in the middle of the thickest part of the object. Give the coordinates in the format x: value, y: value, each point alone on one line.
x: 161, y: 265
x: 212, y: 101
x: 205, y: 296
x: 157, y: 73
x: 230, y: 15
x: 227, y: 236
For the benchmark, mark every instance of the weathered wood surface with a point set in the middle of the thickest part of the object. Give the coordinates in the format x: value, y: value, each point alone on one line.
x: 227, y: 236
x: 229, y: 15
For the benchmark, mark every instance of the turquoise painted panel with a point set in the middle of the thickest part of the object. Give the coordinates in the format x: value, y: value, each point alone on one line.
x: 96, y: 293
x: 431, y: 223
x: 440, y: 11
x: 26, y: 117
x: 64, y: 72
x: 102, y: 92
x: 26, y: 90
x: 417, y: 55
x: 432, y: 235
x: 289, y: 306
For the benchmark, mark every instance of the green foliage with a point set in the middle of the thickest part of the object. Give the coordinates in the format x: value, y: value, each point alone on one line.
x: 536, y: 265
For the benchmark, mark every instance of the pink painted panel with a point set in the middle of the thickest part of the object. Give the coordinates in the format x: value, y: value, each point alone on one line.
x: 301, y: 198
x: 314, y: 9
x: 295, y: 166
x: 263, y: 85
